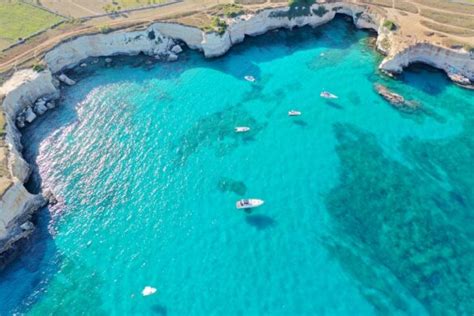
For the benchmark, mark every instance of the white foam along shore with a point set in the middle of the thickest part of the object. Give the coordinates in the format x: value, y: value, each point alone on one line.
x: 29, y: 94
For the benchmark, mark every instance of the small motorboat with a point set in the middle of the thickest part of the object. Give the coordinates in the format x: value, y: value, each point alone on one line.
x: 294, y: 113
x: 328, y: 95
x: 148, y: 290
x: 248, y: 203
x: 242, y: 129
x: 250, y: 78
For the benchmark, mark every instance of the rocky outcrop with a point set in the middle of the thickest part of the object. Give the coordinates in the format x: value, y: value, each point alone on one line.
x: 396, y: 100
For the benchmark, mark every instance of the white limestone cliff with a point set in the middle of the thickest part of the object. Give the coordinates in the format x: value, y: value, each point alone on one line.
x: 16, y: 204
x: 452, y: 62
x: 157, y: 39
x: 72, y: 52
x: 270, y: 19
x: 20, y: 92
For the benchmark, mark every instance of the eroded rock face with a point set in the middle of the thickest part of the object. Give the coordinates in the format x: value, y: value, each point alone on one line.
x: 24, y: 88
x: 71, y: 53
x: 15, y: 203
x: 457, y: 64
x: 26, y: 92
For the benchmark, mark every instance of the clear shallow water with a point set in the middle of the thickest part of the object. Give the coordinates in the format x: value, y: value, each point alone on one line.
x: 367, y: 211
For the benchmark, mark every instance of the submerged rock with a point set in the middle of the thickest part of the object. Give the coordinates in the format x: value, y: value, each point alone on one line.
x: 396, y: 100
x: 227, y: 184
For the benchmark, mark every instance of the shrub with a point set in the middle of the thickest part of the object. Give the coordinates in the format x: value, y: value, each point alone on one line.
x: 104, y: 29
x: 232, y: 10
x: 389, y: 25
x: 320, y: 11
x: 217, y: 25
x: 38, y: 67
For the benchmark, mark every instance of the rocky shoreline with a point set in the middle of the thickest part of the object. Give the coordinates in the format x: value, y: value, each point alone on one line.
x: 28, y: 94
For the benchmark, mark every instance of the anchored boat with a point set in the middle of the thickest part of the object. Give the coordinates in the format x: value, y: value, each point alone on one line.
x: 294, y: 113
x: 248, y: 203
x: 250, y: 78
x: 328, y: 95
x: 242, y: 129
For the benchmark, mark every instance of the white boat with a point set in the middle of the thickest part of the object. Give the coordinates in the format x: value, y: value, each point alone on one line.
x: 242, y: 129
x: 250, y: 78
x: 148, y: 290
x: 248, y: 203
x: 328, y: 95
x: 294, y: 113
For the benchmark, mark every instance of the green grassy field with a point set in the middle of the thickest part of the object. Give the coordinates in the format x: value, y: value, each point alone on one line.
x: 19, y: 20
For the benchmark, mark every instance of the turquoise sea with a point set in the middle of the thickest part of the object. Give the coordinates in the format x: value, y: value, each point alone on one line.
x: 368, y: 210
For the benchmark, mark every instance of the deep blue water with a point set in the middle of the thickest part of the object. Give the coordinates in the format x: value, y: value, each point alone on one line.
x: 368, y: 210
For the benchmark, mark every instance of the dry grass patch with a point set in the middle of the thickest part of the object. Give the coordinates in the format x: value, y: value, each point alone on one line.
x: 457, y: 44
x: 447, y: 29
x: 383, y: 3
x: 448, y: 18
x: 199, y: 20
x: 251, y: 1
x: 448, y: 6
x: 406, y: 6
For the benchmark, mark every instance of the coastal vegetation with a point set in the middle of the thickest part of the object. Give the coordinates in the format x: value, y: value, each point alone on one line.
x: 320, y: 11
x: 117, y: 5
x: 39, y: 67
x: 229, y: 10
x: 19, y: 20
x: 105, y: 28
x: 216, y: 25
x: 390, y: 25
x: 296, y: 8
